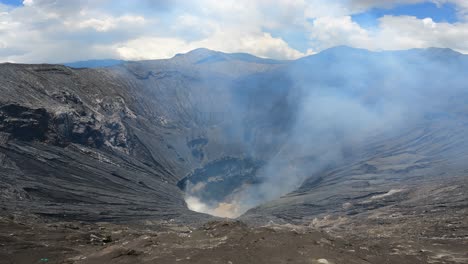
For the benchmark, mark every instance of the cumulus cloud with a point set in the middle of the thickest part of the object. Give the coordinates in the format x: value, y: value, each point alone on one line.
x: 393, y: 33
x: 332, y: 31
x: 106, y: 23
x: 61, y: 31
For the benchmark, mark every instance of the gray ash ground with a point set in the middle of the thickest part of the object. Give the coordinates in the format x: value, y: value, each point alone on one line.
x: 221, y: 242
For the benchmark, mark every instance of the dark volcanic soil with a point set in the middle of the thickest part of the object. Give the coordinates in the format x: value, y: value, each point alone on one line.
x: 213, y: 242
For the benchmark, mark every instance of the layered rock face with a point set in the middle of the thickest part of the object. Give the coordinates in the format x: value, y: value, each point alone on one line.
x: 110, y: 144
x: 342, y: 132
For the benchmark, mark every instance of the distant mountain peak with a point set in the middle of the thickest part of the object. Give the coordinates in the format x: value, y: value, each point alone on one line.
x: 440, y: 52
x: 199, y: 52
x: 204, y: 55
x: 348, y: 52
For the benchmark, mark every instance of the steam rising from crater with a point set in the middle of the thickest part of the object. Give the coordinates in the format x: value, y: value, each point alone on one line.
x: 227, y: 210
x: 319, y: 112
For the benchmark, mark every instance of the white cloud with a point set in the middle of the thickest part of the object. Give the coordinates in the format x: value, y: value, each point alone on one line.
x: 393, y: 33
x: 107, y: 23
x: 410, y: 32
x: 263, y: 45
x: 332, y: 31
x: 150, y: 48
x: 28, y: 2
x: 60, y: 31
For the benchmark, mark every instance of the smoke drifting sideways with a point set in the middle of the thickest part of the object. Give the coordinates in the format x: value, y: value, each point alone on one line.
x: 331, y: 105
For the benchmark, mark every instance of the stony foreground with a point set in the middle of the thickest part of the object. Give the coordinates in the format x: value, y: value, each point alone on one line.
x: 32, y: 241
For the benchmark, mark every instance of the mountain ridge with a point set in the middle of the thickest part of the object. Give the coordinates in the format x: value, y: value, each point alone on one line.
x: 97, y: 63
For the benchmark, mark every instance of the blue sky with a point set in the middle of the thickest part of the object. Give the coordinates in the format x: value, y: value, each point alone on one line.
x: 59, y: 31
x: 443, y: 13
x: 12, y: 2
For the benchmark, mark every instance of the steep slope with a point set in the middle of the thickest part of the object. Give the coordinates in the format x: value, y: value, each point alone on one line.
x: 413, y: 136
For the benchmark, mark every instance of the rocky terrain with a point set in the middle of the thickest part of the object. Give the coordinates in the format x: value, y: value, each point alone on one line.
x: 347, y: 156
